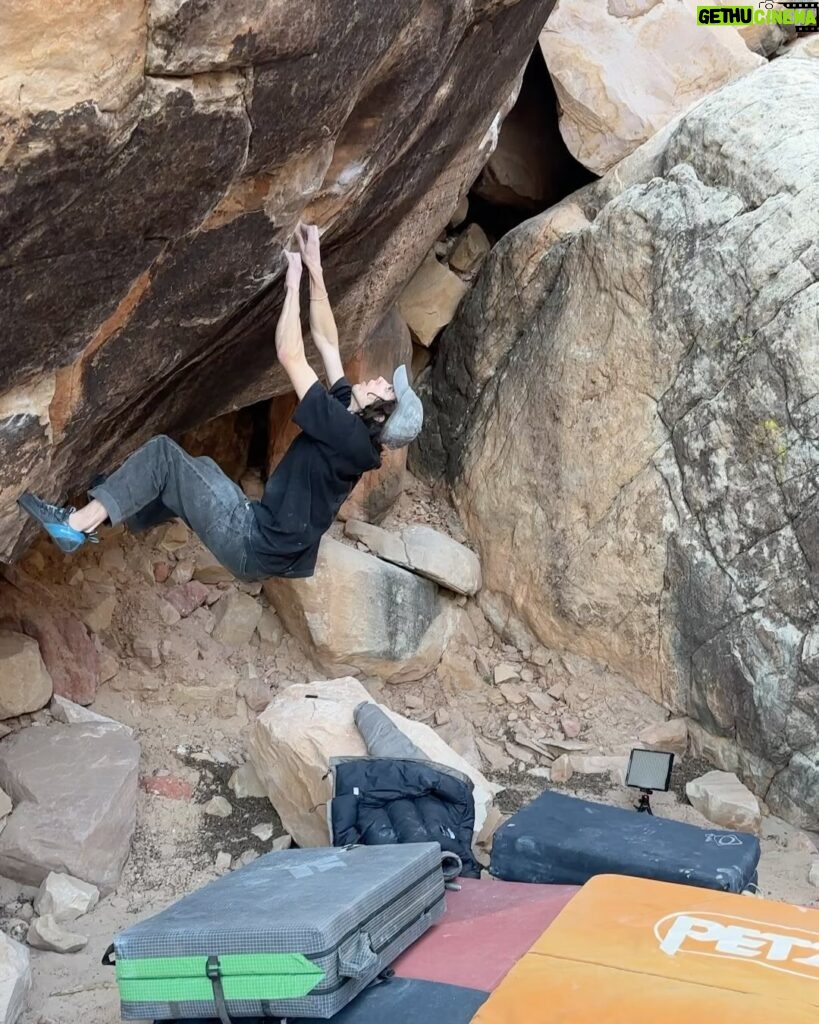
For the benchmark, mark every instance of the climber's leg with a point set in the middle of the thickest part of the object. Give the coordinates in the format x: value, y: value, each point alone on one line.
x: 161, y: 480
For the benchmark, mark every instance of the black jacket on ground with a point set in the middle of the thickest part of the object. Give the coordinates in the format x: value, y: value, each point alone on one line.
x: 383, y: 800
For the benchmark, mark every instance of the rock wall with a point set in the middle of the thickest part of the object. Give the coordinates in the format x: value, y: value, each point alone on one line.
x: 637, y: 369
x: 155, y: 157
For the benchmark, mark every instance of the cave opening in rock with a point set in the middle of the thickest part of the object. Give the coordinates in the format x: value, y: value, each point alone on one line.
x: 531, y: 168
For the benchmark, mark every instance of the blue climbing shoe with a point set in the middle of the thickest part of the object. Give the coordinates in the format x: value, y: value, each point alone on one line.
x: 54, y: 520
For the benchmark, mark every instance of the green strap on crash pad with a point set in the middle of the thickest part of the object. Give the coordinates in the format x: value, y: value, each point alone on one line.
x: 243, y: 976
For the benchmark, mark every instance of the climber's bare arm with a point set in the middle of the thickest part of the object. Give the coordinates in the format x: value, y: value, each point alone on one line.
x: 289, y: 342
x: 322, y: 322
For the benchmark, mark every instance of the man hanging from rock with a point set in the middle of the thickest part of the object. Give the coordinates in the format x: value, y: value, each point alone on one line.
x: 344, y: 430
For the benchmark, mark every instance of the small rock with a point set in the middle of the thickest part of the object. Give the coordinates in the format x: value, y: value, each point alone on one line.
x: 247, y: 857
x: 570, y: 726
x: 176, y: 536
x: 482, y: 665
x: 493, y: 755
x: 168, y: 614
x: 187, y: 597
x: 26, y: 913
x: 75, y: 578
x: 506, y: 673
x: 223, y: 862
x: 256, y: 692
x: 282, y: 843
x: 167, y: 786
x: 561, y: 769
x: 98, y: 610
x: 414, y: 702
x: 540, y: 657
x: 237, y: 616
x: 517, y: 751
x: 527, y: 675
x: 512, y: 693
x: 441, y: 716
x: 269, y: 627
x: 540, y: 773
x: 25, y: 684
x: 813, y: 875
x: 671, y: 736
x: 147, y: 650
x: 590, y: 764
x: 542, y: 701
x: 209, y: 570
x: 161, y: 571
x: 109, y: 667
x: 64, y: 898
x: 470, y: 251
x: 113, y: 559
x: 64, y: 710
x: 723, y: 799
x: 46, y: 933
x: 218, y: 807
x: 183, y: 571
x: 263, y: 832
x: 244, y: 783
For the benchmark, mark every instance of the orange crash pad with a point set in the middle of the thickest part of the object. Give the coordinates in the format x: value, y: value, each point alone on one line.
x: 628, y: 950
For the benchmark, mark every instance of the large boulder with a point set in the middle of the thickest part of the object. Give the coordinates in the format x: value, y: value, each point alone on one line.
x: 68, y: 652
x: 359, y: 612
x: 306, y: 725
x: 156, y: 158
x: 15, y: 979
x: 641, y: 480
x: 74, y: 789
x: 623, y: 69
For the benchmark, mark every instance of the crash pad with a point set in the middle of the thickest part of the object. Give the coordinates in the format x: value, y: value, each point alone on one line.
x: 448, y: 973
x: 629, y: 949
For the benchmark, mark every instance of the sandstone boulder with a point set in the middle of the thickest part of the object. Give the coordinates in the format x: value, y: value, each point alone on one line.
x: 130, y: 136
x: 15, y: 979
x: 237, y: 616
x: 358, y: 611
x: 74, y: 789
x: 424, y: 551
x: 68, y: 652
x: 429, y: 301
x: 25, y: 685
x: 663, y: 444
x: 623, y: 70
x: 306, y: 725
x: 721, y: 798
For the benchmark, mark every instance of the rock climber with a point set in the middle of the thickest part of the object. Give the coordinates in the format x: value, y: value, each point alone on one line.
x: 343, y: 432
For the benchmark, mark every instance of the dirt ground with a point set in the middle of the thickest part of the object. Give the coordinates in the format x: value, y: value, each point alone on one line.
x: 175, y: 846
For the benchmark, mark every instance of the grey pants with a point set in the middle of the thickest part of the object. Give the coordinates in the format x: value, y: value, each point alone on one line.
x: 160, y: 481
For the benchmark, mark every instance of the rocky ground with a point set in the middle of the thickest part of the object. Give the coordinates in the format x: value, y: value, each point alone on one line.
x: 155, y: 662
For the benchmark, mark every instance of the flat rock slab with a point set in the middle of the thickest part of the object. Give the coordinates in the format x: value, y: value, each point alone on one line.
x: 74, y: 788
x: 15, y: 979
x: 424, y: 551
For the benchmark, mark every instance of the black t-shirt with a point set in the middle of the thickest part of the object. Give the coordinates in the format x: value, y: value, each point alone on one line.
x: 308, y: 487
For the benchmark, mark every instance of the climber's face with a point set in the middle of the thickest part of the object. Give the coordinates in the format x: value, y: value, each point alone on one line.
x: 370, y: 391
